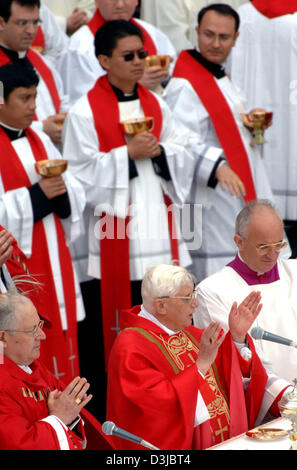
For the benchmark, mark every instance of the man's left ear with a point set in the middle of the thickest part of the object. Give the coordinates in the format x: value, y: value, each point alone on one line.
x: 159, y: 306
x: 104, y: 61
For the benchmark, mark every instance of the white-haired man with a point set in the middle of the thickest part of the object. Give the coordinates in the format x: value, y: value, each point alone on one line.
x: 37, y: 412
x: 171, y: 383
x: 259, y: 239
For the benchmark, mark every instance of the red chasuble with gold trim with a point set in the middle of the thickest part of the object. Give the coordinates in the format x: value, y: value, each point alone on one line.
x: 23, y: 406
x: 114, y: 252
x: 221, y: 116
x: 97, y: 20
x: 275, y: 8
x: 154, y: 381
x: 60, y: 345
x: 44, y: 71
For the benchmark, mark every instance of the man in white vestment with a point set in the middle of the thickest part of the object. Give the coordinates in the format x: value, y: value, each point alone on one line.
x: 43, y: 214
x: 203, y: 98
x: 19, y: 23
x: 126, y: 177
x: 81, y: 61
x: 259, y: 240
x: 264, y: 66
x: 178, y: 18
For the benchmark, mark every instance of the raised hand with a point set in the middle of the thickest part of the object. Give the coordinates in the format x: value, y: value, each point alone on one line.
x: 210, y: 342
x: 243, y: 316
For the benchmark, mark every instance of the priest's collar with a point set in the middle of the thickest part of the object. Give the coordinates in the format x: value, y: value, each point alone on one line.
x: 148, y: 316
x: 251, y: 277
x: 11, y: 132
x: 215, y: 69
x: 12, y: 54
x: 121, y: 96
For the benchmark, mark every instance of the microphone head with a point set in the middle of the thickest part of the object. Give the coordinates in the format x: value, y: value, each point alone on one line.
x: 108, y: 427
x: 257, y: 332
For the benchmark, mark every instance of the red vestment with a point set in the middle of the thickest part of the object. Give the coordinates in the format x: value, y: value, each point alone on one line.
x: 275, y: 8
x: 24, y: 418
x: 153, y: 384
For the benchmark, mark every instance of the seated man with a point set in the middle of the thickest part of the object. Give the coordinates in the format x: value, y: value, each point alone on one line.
x: 170, y: 383
x: 259, y: 239
x: 80, y: 58
x: 36, y: 411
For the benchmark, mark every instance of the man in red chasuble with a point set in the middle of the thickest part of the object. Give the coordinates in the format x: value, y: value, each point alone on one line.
x: 176, y: 386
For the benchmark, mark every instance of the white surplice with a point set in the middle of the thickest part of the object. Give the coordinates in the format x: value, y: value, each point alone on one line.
x: 17, y: 216
x: 105, y: 177
x: 216, y: 295
x: 264, y: 66
x: 80, y: 68
x: 219, y: 207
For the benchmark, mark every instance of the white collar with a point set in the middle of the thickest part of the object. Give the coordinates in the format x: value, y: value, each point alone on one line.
x: 149, y: 316
x: 25, y: 368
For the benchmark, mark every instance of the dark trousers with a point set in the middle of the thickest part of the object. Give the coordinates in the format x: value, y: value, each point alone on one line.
x: 291, y: 232
x: 90, y: 344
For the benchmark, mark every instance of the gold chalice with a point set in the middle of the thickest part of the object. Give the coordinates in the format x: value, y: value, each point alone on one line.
x: 135, y: 126
x: 49, y: 168
x: 60, y: 118
x: 255, y: 121
x: 160, y: 60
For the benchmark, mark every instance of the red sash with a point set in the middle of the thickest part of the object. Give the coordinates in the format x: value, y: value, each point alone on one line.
x: 221, y: 116
x: 39, y: 41
x: 114, y: 253
x: 97, y: 21
x: 45, y: 72
x: 59, y: 344
x: 275, y: 8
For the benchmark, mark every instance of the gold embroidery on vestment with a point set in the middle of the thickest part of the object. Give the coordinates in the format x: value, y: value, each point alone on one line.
x: 179, y: 344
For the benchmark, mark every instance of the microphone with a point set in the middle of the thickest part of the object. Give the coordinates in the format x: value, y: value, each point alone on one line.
x: 258, y: 333
x: 109, y: 428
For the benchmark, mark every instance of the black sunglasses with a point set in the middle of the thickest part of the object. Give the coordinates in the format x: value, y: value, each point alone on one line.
x: 130, y: 55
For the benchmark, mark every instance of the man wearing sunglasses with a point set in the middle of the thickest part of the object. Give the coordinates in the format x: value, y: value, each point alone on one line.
x: 258, y: 236
x: 80, y: 55
x: 127, y: 178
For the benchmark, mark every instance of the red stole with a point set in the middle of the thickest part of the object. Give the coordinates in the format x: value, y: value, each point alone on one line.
x: 221, y: 116
x: 275, y: 8
x: 97, y: 21
x: 59, y: 344
x: 39, y: 41
x: 114, y: 252
x: 45, y: 72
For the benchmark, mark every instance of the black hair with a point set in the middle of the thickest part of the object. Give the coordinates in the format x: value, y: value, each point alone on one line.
x: 222, y: 9
x: 17, y: 75
x: 5, y: 6
x: 107, y: 36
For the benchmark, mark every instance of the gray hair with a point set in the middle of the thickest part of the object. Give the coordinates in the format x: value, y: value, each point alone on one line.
x: 244, y: 216
x: 163, y: 280
x: 10, y: 302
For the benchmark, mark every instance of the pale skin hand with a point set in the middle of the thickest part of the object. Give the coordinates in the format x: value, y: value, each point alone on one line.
x: 76, y: 20
x: 143, y: 145
x: 53, y: 128
x: 240, y: 320
x: 229, y: 180
x: 153, y: 76
x: 5, y: 246
x: 63, y: 405
x: 53, y: 187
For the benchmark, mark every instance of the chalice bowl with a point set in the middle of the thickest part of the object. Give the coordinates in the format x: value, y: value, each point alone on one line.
x: 288, y: 409
x: 162, y: 61
x: 50, y: 168
x: 256, y: 120
x: 135, y: 126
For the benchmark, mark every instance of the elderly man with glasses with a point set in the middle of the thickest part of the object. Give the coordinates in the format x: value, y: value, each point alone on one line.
x: 258, y: 236
x: 174, y: 385
x: 37, y: 412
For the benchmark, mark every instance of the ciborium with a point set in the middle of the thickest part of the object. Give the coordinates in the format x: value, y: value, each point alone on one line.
x: 50, y: 168
x: 162, y: 61
x: 135, y: 126
x: 256, y: 121
x: 288, y: 409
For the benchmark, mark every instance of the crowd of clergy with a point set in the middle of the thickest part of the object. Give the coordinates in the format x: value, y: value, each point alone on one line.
x: 148, y: 212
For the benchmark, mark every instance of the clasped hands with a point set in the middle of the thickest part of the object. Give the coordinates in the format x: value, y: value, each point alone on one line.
x: 241, y: 317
